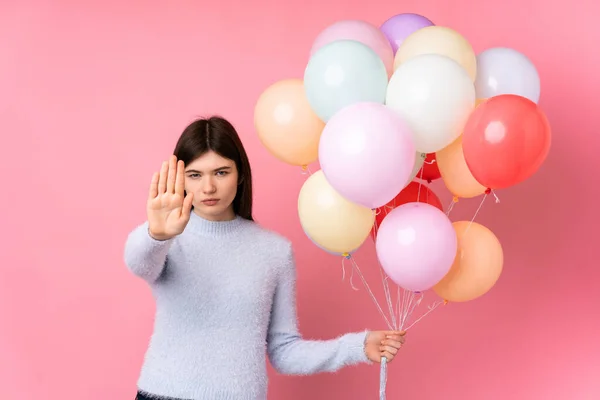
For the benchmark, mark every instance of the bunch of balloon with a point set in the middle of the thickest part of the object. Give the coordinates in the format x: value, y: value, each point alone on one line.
x: 383, y: 109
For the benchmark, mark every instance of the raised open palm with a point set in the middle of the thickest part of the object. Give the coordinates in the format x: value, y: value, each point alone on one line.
x: 167, y: 208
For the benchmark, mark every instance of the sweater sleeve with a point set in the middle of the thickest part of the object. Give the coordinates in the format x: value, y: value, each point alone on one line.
x: 145, y: 256
x: 288, y: 352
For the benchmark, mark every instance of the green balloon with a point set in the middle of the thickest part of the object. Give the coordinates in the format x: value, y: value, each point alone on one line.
x: 342, y: 73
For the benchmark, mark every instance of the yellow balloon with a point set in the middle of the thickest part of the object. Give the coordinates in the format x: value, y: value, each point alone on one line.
x: 454, y: 170
x: 330, y: 220
x: 477, y: 265
x: 438, y: 40
x: 286, y: 124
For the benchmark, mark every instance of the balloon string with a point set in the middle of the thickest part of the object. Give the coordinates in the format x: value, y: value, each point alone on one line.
x: 399, y: 303
x: 346, y: 257
x: 306, y: 170
x: 417, y: 299
x: 412, y: 304
x: 366, y: 285
x: 385, y: 209
x: 388, y: 296
x: 384, y: 280
x: 429, y: 311
x: 487, y: 193
x: 451, y: 206
x: 405, y: 304
x: 420, y: 184
x: 409, y: 296
x: 495, y: 197
x: 476, y: 212
x: 375, y: 230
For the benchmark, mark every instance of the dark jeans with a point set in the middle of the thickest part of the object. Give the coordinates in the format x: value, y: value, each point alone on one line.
x: 142, y: 396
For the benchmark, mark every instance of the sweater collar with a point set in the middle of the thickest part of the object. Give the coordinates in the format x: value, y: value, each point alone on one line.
x: 207, y: 227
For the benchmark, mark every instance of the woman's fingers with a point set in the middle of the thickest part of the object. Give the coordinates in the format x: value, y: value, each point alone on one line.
x: 171, y: 175
x: 393, y: 343
x: 389, y: 349
x: 397, y: 337
x: 153, y: 192
x: 170, y: 179
x: 162, y: 179
x: 180, y: 178
x: 187, y: 205
x: 389, y: 356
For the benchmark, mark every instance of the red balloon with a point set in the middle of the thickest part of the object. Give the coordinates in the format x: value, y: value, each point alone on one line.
x: 505, y: 141
x: 429, y: 171
x: 409, y: 194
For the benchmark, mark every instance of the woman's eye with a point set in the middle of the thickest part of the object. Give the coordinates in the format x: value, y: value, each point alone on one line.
x: 194, y: 176
x: 221, y: 173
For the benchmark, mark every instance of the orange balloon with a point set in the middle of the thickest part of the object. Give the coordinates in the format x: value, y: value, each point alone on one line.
x: 455, y: 173
x: 286, y: 124
x: 477, y: 265
x: 478, y: 102
x: 454, y: 170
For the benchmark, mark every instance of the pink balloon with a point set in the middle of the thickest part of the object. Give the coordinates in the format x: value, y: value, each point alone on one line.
x: 367, y: 153
x: 416, y: 245
x: 359, y: 31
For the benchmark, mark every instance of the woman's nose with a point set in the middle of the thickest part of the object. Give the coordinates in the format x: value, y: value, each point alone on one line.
x: 208, y: 186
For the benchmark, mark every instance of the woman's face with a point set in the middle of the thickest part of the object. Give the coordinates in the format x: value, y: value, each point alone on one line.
x: 213, y: 180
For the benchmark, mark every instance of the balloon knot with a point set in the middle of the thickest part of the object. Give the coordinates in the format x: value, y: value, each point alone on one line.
x: 304, y: 167
x: 455, y: 199
x: 346, y: 255
x: 488, y: 191
x: 429, y: 181
x: 445, y: 302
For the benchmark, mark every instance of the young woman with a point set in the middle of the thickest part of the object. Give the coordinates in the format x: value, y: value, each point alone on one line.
x: 224, y: 286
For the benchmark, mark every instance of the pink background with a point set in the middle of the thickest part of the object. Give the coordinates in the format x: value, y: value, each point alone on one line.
x: 93, y: 96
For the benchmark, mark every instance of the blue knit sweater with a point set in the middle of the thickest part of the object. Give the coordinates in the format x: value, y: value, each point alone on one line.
x: 225, y: 297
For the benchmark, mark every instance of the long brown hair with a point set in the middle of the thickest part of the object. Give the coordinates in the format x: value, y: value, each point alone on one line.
x: 218, y: 135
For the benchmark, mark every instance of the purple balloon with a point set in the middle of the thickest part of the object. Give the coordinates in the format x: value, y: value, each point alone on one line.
x: 399, y: 27
x: 416, y: 245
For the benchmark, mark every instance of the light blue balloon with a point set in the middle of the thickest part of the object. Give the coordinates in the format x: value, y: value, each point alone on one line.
x: 342, y: 73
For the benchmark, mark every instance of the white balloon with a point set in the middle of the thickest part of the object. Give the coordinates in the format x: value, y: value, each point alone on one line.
x: 419, y: 161
x: 502, y: 70
x: 435, y: 96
